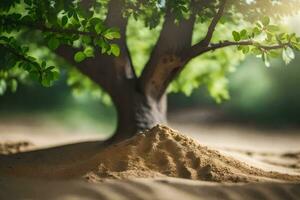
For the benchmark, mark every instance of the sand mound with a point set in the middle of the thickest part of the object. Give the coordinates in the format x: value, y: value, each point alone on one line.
x: 161, y: 152
x: 14, y: 147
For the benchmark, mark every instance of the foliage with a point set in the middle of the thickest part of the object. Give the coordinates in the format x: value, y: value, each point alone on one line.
x: 59, y: 23
x: 80, y: 24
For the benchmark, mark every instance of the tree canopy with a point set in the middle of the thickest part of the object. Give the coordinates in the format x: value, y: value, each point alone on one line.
x: 33, y: 33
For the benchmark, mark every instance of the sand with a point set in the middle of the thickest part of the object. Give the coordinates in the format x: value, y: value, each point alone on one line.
x: 158, y: 164
x: 155, y: 153
x: 11, y: 147
x: 163, y: 152
x: 145, y: 189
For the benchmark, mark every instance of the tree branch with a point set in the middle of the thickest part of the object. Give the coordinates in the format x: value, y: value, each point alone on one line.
x: 23, y: 58
x: 211, y: 29
x: 213, y: 24
x: 132, y: 70
x: 15, y: 53
x: 168, y: 60
x: 112, y: 73
x: 223, y: 44
x: 164, y: 62
x: 90, y: 67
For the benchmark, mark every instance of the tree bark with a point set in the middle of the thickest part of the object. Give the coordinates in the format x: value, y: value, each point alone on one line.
x: 137, y: 112
x: 165, y: 62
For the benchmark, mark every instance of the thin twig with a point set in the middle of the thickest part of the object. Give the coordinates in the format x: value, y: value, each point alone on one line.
x: 219, y: 45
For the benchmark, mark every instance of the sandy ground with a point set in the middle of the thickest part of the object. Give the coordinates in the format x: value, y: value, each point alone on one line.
x: 145, y: 189
x: 264, y: 149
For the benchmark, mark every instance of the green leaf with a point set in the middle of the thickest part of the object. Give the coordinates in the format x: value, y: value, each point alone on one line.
x: 75, y: 16
x: 296, y: 46
x: 243, y: 34
x: 86, y: 39
x: 64, y: 20
x: 111, y: 34
x: 102, y: 44
x: 49, y: 76
x: 53, y: 43
x: 246, y: 49
x: 94, y: 21
x: 70, y: 13
x: 43, y: 64
x: 89, y: 51
x: 115, y: 50
x: 236, y: 36
x: 281, y: 36
x: 79, y: 56
x: 99, y: 28
x: 256, y: 31
x: 266, y: 21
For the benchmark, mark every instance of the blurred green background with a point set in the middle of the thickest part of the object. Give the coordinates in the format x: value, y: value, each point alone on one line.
x: 261, y: 95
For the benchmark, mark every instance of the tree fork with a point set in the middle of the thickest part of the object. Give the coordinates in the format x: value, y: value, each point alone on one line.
x: 164, y: 62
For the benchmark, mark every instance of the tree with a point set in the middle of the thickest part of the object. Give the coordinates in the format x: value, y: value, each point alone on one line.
x: 95, y: 37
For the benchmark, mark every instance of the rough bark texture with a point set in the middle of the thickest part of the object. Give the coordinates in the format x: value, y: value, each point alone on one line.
x: 137, y: 112
x: 165, y: 61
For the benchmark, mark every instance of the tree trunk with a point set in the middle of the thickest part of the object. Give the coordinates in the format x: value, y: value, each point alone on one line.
x: 137, y: 112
